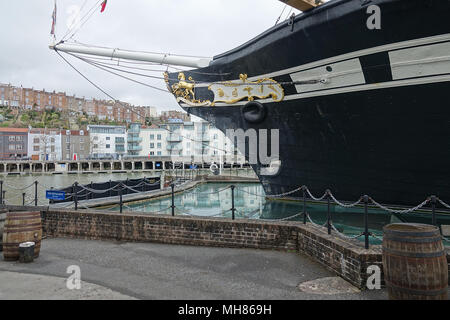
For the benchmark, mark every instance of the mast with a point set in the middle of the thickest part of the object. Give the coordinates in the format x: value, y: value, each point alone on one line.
x: 161, y: 58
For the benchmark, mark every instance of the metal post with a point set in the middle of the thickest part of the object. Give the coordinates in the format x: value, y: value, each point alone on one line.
x: 173, y: 199
x: 366, y: 221
x: 35, y: 193
x: 120, y: 200
x: 433, y: 208
x: 1, y: 191
x: 23, y: 198
x: 329, y: 222
x: 233, y: 209
x: 75, y: 196
x: 4, y: 196
x: 304, y: 206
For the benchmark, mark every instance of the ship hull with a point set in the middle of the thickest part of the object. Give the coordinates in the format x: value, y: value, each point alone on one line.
x: 379, y: 123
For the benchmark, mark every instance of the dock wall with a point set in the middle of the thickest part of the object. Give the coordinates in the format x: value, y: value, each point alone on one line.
x: 344, y: 257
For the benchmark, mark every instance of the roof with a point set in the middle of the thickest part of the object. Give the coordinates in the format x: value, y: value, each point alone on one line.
x: 46, y: 131
x: 73, y: 132
x: 13, y: 130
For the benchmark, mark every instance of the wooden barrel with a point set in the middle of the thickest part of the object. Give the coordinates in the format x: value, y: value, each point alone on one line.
x: 21, y: 227
x: 414, y: 262
x: 2, y: 225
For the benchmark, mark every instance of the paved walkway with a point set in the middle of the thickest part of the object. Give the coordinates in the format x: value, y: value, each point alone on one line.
x: 158, y: 271
x: 21, y: 286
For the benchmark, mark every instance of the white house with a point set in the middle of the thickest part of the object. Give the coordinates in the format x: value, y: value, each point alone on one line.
x: 107, y: 141
x: 44, y: 144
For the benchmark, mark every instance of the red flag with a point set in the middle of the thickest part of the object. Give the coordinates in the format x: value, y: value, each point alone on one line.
x: 53, y: 21
x: 104, y: 5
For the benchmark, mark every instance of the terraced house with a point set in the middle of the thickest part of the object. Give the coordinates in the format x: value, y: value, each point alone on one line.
x: 13, y: 143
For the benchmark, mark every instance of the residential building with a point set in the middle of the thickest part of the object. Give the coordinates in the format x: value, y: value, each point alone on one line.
x: 167, y: 116
x: 13, y: 143
x: 75, y: 145
x: 198, y: 141
x: 107, y: 141
x: 40, y: 100
x: 154, y: 141
x: 134, y: 140
x: 44, y: 144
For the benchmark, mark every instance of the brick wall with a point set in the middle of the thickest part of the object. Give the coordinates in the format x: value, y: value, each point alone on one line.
x: 347, y: 258
x: 343, y: 257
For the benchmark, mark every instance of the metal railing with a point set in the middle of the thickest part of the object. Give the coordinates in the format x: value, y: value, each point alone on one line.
x: 327, y: 197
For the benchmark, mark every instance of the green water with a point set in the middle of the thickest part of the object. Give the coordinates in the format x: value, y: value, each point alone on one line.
x: 211, y: 200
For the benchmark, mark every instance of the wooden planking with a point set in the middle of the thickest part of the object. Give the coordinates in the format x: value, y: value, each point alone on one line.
x: 302, y: 5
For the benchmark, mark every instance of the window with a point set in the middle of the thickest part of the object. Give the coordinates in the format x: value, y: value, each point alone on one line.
x: 152, y: 137
x: 67, y: 139
x: 19, y: 138
x: 108, y: 138
x: 68, y: 148
x: 12, y: 147
x: 12, y: 138
x: 36, y: 140
x: 81, y: 148
x: 95, y: 146
x: 36, y: 148
x: 68, y: 156
x: 19, y: 147
x: 158, y: 137
x: 152, y: 153
x: 159, y: 145
x: 108, y: 146
x: 81, y: 140
x: 152, y: 145
x: 159, y: 153
x: 52, y: 149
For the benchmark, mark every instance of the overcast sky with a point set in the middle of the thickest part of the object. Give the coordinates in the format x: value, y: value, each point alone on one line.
x: 190, y: 27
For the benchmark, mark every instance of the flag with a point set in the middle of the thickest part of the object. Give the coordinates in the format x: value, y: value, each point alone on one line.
x: 104, y: 5
x: 53, y: 21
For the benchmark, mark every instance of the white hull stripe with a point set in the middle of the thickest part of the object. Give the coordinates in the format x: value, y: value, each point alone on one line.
x: 365, y: 87
x: 348, y: 56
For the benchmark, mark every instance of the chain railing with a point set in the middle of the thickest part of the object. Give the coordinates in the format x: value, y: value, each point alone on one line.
x: 328, y: 196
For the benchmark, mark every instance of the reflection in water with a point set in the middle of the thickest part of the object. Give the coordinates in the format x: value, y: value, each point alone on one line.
x: 206, y: 200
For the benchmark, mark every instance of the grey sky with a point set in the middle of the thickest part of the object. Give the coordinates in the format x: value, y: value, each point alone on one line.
x: 191, y: 27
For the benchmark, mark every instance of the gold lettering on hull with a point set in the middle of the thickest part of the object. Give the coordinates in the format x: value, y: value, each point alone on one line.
x: 228, y: 92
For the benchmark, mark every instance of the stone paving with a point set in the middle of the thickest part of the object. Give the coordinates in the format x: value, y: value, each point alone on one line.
x: 115, y: 270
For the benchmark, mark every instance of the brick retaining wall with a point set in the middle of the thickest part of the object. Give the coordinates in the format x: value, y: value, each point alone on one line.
x: 347, y: 258
x: 343, y: 257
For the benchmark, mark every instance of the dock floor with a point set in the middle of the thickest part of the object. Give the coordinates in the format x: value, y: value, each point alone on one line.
x: 159, y: 271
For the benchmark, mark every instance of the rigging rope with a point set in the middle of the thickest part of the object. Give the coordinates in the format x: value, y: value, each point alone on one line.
x: 131, y: 109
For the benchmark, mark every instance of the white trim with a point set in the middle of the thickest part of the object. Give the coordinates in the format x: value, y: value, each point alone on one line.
x: 365, y: 87
x: 347, y: 56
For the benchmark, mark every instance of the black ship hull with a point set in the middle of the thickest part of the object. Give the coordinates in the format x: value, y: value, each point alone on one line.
x: 376, y: 120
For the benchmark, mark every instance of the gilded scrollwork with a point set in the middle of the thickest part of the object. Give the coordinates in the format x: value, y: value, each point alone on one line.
x: 231, y: 92
x: 228, y: 92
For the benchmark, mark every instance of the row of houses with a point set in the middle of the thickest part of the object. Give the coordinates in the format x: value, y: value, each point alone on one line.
x: 181, y: 139
x: 19, y: 98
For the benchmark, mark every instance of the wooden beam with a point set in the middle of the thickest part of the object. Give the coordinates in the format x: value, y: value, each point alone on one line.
x: 302, y: 5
